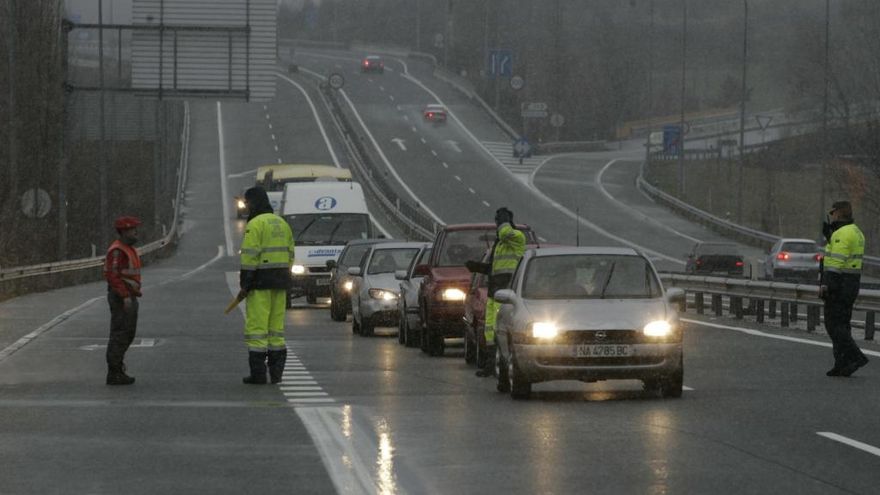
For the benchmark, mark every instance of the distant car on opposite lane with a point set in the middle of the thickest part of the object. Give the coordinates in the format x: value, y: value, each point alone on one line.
x: 435, y: 113
x: 795, y: 260
x: 373, y: 63
x: 721, y: 258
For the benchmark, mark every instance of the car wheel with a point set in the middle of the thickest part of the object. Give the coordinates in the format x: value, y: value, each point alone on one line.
x: 413, y: 336
x: 502, y: 384
x: 673, y: 384
x: 520, y: 388
x: 355, y: 326
x: 337, y: 313
x: 470, y: 349
x: 435, y: 343
x: 367, y: 327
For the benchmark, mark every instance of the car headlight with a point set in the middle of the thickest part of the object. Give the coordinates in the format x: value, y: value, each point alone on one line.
x: 385, y: 295
x: 659, y: 328
x: 297, y: 269
x: 544, y: 330
x: 240, y: 204
x: 347, y: 285
x: 452, y: 294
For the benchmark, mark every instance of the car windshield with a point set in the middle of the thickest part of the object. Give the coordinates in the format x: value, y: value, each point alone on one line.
x: 463, y: 245
x: 391, y: 260
x: 800, y: 247
x: 589, y: 276
x: 353, y: 255
x: 313, y: 229
x: 730, y: 249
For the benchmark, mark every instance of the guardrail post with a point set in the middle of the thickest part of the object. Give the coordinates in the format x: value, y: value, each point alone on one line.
x: 771, y: 310
x: 794, y: 312
x: 812, y: 317
x: 784, y: 313
x: 869, y: 325
x: 736, y: 307
x: 716, y: 304
x: 759, y: 310
x: 698, y: 302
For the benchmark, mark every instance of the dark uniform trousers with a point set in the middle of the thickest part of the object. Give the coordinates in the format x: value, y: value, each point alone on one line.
x: 123, y: 325
x: 842, y: 292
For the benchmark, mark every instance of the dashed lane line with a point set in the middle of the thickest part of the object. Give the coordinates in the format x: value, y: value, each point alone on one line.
x: 849, y: 441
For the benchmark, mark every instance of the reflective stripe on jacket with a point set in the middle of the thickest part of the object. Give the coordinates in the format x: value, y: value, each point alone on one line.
x: 844, y: 251
x: 266, y: 253
x: 122, y: 269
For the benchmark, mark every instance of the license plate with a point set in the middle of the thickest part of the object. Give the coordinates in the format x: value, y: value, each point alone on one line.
x: 322, y: 281
x: 603, y: 351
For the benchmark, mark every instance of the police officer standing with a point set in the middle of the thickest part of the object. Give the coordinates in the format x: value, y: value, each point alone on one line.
x: 266, y: 257
x: 122, y: 270
x: 509, y: 247
x: 839, y: 286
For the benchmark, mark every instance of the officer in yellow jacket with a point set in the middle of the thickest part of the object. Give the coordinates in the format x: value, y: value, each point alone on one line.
x: 839, y: 287
x: 509, y: 247
x: 266, y: 258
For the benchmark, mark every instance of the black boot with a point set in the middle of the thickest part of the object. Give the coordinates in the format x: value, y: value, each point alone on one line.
x: 277, y: 359
x: 257, y: 363
x: 116, y: 375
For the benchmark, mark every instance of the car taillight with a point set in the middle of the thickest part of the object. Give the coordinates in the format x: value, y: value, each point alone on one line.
x: 430, y: 115
x: 818, y: 257
x: 366, y: 63
x: 783, y: 256
x: 739, y: 263
x: 698, y: 262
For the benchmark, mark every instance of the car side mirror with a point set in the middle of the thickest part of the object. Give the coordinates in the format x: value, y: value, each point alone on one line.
x: 354, y: 271
x: 675, y: 295
x: 505, y: 296
x: 422, y: 270
x: 331, y: 264
x: 400, y: 275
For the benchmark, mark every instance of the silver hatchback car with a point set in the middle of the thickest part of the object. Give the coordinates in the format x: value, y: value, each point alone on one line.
x: 375, y: 291
x: 793, y: 260
x: 589, y: 314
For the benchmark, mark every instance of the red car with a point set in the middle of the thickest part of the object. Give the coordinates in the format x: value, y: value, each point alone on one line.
x: 373, y: 63
x: 444, y: 287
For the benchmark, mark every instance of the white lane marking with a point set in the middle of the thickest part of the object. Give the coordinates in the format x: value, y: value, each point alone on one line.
x: 433, y: 152
x: 347, y: 457
x: 400, y: 109
x: 267, y: 116
x: 400, y: 143
x: 472, y: 191
x: 270, y: 127
x: 636, y: 213
x: 423, y: 141
x: 381, y: 88
x: 458, y: 178
x: 265, y: 107
x: 849, y: 441
x: 279, y: 160
x: 543, y: 196
x: 276, y: 148
x: 18, y: 344
x: 224, y: 190
x: 454, y: 145
x: 317, y: 118
x: 310, y: 400
x: 301, y: 388
x: 758, y: 333
x: 391, y: 97
x: 542, y: 239
x: 305, y: 394
x: 414, y: 129
x: 273, y: 137
x: 385, y: 158
x: 689, y: 389
x: 445, y: 165
x: 486, y: 203
x: 406, y: 118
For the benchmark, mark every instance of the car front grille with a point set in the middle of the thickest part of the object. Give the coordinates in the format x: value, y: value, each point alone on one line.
x: 318, y: 269
x: 601, y: 337
x: 600, y: 361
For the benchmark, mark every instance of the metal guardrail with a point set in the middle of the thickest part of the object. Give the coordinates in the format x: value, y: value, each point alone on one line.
x: 789, y: 297
x: 97, y: 261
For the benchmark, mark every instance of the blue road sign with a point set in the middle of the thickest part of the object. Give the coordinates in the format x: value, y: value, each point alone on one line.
x: 522, y: 148
x: 500, y: 63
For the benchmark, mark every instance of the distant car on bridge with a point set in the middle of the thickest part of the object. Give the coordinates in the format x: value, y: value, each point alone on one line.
x: 722, y: 258
x: 435, y: 113
x: 373, y: 63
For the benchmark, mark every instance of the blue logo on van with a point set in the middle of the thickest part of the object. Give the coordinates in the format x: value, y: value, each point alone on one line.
x: 325, y: 203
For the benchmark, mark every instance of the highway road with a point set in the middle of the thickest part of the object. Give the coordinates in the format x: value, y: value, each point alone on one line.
x: 365, y: 415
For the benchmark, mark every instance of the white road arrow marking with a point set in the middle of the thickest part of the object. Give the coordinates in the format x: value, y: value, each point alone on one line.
x: 454, y: 145
x: 399, y: 143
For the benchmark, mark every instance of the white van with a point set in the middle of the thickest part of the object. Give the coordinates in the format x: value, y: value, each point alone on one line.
x: 324, y: 216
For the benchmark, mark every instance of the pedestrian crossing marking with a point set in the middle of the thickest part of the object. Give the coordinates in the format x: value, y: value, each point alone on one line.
x: 503, y: 151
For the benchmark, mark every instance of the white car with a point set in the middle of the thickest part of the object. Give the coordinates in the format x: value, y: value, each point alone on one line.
x: 588, y: 314
x: 374, y: 289
x: 793, y: 260
x: 408, y: 302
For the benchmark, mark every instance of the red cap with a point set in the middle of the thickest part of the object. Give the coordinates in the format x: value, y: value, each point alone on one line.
x: 123, y: 223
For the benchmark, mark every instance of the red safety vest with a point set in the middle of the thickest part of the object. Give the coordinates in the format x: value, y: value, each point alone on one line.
x: 129, y: 272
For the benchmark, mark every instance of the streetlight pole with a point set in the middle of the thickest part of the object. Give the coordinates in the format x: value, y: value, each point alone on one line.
x: 650, y: 87
x: 825, y: 107
x: 418, y: 25
x: 681, y: 184
x: 742, y: 113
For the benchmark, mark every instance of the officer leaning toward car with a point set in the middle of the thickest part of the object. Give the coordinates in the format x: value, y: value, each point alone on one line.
x: 509, y: 247
x: 839, y: 286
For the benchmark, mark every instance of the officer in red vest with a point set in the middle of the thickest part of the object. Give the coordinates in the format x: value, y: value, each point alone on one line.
x: 122, y: 269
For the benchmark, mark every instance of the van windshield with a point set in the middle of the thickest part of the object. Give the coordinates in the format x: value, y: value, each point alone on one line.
x: 324, y: 229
